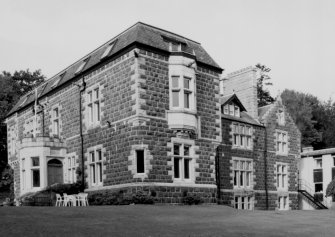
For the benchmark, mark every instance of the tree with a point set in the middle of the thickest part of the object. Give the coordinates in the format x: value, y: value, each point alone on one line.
x: 11, y: 88
x: 263, y: 95
x: 300, y: 106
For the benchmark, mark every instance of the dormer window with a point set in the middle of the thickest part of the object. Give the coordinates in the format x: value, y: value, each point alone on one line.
x: 108, y: 50
x: 82, y: 65
x: 231, y: 109
x: 58, y: 80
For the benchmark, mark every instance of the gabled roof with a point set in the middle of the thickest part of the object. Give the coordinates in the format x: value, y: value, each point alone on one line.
x: 139, y: 33
x: 232, y: 98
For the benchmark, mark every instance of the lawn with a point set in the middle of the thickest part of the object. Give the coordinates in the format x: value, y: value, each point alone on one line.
x: 158, y: 220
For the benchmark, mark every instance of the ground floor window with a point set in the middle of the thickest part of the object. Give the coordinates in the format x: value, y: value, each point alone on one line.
x: 244, y: 202
x: 182, y: 161
x: 71, y: 169
x: 95, y: 158
x: 35, y: 171
x: 283, y: 203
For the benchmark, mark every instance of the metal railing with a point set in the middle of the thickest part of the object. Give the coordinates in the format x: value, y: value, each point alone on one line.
x: 304, y: 185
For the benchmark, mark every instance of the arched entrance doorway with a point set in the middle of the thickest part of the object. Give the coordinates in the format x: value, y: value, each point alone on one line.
x: 55, y: 171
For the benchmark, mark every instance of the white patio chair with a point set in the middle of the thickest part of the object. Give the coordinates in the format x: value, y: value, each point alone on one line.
x: 67, y: 200
x: 59, y: 200
x: 82, y: 199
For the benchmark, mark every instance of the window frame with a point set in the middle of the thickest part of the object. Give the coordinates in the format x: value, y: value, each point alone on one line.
x: 56, y: 121
x: 93, y: 105
x: 35, y: 168
x: 242, y: 136
x: 71, y: 169
x: 242, y: 177
x: 281, y: 142
x: 182, y: 93
x: 95, y: 167
x: 136, y: 161
x: 243, y: 202
x: 282, y: 176
x: 23, y: 173
x: 183, y: 160
x: 283, y: 205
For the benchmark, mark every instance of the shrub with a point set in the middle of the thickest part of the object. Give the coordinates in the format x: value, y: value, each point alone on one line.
x: 192, y: 199
x: 318, y: 197
x: 65, y: 188
x: 119, y: 198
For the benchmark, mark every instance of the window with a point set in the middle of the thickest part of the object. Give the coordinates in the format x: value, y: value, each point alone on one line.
x: 242, y: 136
x: 81, y: 66
x: 55, y: 121
x: 282, y: 176
x: 244, y: 202
x: 95, y: 159
x: 35, y: 170
x: 318, y: 163
x: 94, y: 106
x: 140, y: 161
x: 108, y: 50
x: 182, y: 92
x: 23, y: 170
x: 242, y: 169
x: 71, y: 171
x: 182, y: 161
x: 283, y: 203
x: 318, y: 179
x: 281, y: 117
x: 231, y: 109
x: 281, y: 144
x: 12, y: 142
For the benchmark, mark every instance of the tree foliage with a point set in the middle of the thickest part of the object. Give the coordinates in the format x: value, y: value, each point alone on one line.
x: 263, y: 95
x: 314, y: 118
x: 12, y: 86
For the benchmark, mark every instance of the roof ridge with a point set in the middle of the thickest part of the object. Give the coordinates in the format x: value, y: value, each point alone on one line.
x: 166, y: 31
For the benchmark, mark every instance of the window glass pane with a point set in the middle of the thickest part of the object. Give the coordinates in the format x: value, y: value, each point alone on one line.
x: 73, y: 161
x: 186, y: 100
x: 236, y: 139
x: 176, y: 149
x: 36, y: 178
x: 99, y: 156
x: 92, y: 156
x: 140, y: 161
x: 231, y: 109
x: 235, y: 177
x: 247, y: 179
x: 93, y: 173
x: 90, y: 97
x: 175, y: 98
x: 278, y: 180
x: 186, y: 168
x: 186, y: 83
x: 236, y: 202
x: 100, y: 171
x: 176, y: 168
x: 175, y: 82
x: 242, y: 141
x: 56, y: 112
x: 235, y: 164
x: 175, y: 46
x: 98, y: 111
x: 35, y: 161
x: 186, y: 151
x: 237, y: 111
x: 241, y: 178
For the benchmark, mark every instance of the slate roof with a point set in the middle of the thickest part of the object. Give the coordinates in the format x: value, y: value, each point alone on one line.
x: 263, y: 110
x: 245, y: 118
x: 139, y: 33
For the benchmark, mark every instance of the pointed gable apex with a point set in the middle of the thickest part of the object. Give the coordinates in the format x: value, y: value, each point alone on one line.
x: 232, y: 98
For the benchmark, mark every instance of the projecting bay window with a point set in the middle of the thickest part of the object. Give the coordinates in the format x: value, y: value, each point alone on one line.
x: 35, y: 171
x: 182, y: 162
x: 242, y: 172
x: 182, y: 93
x: 282, y: 181
x: 95, y: 164
x: 242, y: 136
x: 94, y: 107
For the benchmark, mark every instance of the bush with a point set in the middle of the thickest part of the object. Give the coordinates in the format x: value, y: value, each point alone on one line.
x: 318, y: 197
x: 120, y: 198
x: 65, y: 188
x: 191, y: 199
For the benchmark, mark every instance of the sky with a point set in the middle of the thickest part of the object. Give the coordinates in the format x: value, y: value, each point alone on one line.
x: 295, y: 38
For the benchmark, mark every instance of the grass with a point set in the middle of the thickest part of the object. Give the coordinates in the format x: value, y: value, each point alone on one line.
x: 157, y: 220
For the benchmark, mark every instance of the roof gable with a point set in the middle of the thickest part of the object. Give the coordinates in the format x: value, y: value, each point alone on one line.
x: 232, y: 98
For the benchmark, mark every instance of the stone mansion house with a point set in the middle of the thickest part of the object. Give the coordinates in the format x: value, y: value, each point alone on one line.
x: 145, y: 112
